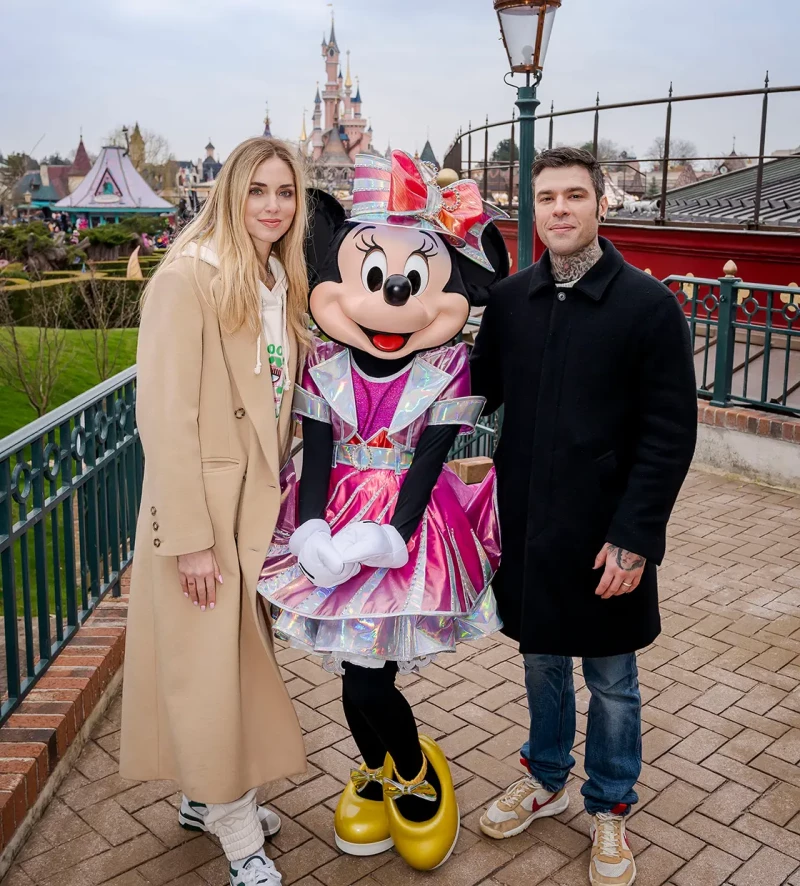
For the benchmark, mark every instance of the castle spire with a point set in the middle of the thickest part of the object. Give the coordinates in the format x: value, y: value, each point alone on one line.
x: 348, y: 83
x: 267, y: 131
x: 303, y: 134
x: 332, y: 42
x: 317, y: 99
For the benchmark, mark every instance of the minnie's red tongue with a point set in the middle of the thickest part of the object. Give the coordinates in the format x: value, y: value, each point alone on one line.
x: 385, y: 341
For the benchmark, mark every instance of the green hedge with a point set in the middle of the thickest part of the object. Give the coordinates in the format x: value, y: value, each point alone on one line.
x: 121, y: 296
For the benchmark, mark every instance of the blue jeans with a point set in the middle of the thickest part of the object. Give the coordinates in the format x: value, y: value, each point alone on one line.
x: 614, y: 733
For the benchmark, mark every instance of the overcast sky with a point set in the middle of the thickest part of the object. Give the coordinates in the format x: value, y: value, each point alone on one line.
x: 190, y: 69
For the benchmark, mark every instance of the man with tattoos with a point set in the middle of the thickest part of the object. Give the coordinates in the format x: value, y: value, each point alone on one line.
x: 592, y: 362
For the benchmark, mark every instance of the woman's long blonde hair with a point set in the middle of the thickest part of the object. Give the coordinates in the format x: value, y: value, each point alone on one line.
x: 236, y: 294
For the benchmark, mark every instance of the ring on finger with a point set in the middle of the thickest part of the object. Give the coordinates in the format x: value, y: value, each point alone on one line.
x: 627, y: 584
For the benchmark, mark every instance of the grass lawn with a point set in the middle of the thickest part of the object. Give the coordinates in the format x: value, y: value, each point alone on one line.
x: 78, y: 375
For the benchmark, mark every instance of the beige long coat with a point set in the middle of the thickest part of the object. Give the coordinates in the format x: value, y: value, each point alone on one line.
x: 203, y: 700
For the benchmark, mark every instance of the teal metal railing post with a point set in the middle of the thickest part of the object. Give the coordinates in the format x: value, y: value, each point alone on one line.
x: 8, y: 577
x: 527, y: 104
x: 726, y: 336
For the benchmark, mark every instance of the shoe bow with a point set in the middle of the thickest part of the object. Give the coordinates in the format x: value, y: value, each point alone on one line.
x: 361, y: 779
x: 424, y: 790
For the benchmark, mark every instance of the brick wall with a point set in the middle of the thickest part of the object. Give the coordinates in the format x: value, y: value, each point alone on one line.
x: 750, y: 421
x: 38, y: 734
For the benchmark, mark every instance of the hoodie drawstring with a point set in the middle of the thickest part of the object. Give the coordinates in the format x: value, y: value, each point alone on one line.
x: 257, y: 370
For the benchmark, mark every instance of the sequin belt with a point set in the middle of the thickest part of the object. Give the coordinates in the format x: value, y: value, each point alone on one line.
x: 364, y: 458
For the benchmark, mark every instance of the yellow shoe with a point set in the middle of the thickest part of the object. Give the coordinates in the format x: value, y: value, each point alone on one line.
x: 360, y: 825
x: 424, y: 845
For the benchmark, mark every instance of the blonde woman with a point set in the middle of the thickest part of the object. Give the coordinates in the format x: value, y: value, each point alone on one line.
x: 223, y: 329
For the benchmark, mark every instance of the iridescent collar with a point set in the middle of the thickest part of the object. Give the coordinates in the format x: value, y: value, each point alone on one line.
x: 335, y: 382
x: 424, y: 384
x: 334, y: 379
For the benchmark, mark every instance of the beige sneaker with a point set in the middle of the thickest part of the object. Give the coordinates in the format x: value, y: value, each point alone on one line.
x: 523, y: 802
x: 612, y: 861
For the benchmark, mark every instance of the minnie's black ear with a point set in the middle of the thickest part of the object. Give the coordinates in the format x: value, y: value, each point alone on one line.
x: 477, y: 280
x: 325, y: 217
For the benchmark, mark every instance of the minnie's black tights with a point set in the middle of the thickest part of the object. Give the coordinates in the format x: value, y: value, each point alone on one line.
x: 381, y: 719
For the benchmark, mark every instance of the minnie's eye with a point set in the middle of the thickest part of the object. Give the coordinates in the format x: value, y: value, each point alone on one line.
x: 373, y: 271
x: 417, y: 272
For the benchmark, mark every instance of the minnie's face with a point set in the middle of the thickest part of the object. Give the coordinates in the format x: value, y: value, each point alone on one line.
x: 391, y: 301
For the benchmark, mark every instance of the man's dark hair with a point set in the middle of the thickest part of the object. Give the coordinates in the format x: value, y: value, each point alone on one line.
x: 559, y: 158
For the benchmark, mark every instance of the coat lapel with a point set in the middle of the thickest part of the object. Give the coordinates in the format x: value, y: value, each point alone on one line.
x: 255, y: 391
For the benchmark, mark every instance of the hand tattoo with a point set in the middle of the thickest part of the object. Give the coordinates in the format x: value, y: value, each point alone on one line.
x: 567, y: 268
x: 626, y: 560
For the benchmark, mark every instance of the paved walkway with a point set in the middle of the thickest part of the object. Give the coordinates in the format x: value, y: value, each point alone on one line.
x: 720, y: 789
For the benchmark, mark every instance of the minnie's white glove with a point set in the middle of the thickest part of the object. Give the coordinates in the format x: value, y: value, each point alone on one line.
x: 317, y: 556
x: 371, y: 544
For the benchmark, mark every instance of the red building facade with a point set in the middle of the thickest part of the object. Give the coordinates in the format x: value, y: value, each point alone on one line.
x: 760, y: 256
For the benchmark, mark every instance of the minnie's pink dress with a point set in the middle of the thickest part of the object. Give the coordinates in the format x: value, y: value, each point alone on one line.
x: 443, y: 594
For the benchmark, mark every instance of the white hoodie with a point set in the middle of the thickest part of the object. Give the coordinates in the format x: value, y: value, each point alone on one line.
x: 273, y: 321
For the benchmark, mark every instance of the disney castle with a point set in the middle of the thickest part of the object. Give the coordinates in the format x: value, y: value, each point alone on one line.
x: 340, y: 130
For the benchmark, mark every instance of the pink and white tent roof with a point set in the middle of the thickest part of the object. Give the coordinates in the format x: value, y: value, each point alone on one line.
x: 113, y: 184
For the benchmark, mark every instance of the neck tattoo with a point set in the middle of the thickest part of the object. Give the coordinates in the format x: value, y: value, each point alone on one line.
x: 567, y: 268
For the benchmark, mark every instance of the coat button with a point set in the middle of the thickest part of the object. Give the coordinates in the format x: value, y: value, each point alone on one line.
x: 562, y: 296
x: 153, y: 511
x: 157, y: 542
x: 155, y: 527
x: 239, y: 413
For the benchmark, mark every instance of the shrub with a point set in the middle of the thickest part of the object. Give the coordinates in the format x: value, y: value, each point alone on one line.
x: 14, y: 271
x: 36, y: 248
x: 145, y: 224
x: 108, y: 235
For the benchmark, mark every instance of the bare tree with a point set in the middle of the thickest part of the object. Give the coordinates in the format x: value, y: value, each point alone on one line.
x: 681, y: 149
x: 105, y: 305
x: 156, y: 146
x: 14, y: 167
x: 31, y: 363
x: 606, y: 149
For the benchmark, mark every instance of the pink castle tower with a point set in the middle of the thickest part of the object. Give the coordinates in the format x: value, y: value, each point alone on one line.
x: 317, y: 143
x: 332, y: 92
x: 355, y: 126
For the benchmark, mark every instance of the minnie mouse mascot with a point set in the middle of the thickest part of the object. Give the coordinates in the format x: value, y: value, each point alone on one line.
x: 384, y: 558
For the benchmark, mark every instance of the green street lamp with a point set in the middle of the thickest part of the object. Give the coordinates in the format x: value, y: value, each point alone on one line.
x: 526, y: 26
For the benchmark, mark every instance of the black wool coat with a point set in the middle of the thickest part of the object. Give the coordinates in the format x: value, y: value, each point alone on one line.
x: 599, y: 428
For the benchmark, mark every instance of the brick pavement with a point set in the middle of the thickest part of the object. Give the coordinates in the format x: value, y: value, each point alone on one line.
x: 719, y: 792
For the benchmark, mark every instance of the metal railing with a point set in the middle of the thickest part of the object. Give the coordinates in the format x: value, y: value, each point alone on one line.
x: 70, y: 484
x: 469, y: 167
x: 746, y: 339
x: 483, y: 441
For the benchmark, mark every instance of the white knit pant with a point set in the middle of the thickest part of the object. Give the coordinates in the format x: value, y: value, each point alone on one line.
x: 237, y: 826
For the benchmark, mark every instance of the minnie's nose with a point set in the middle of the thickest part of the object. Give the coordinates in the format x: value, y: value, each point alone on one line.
x: 397, y: 290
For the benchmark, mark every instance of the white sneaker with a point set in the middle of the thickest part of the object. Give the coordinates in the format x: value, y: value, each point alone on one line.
x: 192, y: 817
x: 525, y: 801
x: 612, y: 861
x: 258, y: 870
